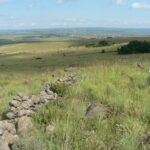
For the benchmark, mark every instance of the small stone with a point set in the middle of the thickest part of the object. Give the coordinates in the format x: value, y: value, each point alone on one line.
x: 24, y: 125
x: 18, y: 98
x: 1, y: 131
x: 25, y: 82
x: 11, y: 128
x: 13, y: 109
x: 4, y: 145
x: 36, y: 99
x: 51, y: 97
x: 27, y: 104
x: 20, y: 95
x: 14, y: 103
x: 24, y: 113
x: 25, y: 98
x: 10, y: 115
x: 43, y: 99
x: 50, y: 92
x: 10, y: 138
x: 43, y: 93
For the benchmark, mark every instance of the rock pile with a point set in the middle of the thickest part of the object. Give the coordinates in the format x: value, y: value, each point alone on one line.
x: 21, y: 108
x: 8, y: 132
x: 68, y: 79
x: 23, y: 105
x: 95, y: 109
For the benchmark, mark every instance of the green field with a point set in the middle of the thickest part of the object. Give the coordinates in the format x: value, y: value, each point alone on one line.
x: 106, y: 79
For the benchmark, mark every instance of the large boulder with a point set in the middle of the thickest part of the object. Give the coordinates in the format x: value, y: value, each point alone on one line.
x: 5, y: 125
x: 95, y: 109
x: 9, y: 138
x: 24, y: 125
x: 4, y: 145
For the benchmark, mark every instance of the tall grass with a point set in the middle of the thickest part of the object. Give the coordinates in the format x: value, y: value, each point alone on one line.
x: 128, y: 101
x: 106, y: 78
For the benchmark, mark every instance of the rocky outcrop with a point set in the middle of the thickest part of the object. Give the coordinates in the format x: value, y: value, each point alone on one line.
x: 68, y: 79
x: 95, y: 109
x: 21, y: 108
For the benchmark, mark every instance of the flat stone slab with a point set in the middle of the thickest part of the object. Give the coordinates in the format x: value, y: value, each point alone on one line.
x: 4, y: 145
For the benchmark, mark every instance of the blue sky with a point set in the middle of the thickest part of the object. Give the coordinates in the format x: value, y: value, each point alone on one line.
x: 27, y: 14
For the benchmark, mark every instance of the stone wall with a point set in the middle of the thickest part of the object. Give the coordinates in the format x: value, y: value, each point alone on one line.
x: 21, y: 108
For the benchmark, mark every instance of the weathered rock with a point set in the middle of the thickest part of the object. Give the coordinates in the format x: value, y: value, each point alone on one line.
x: 97, y: 109
x: 10, y: 115
x: 20, y: 111
x: 4, y: 145
x: 10, y: 138
x: 27, y: 104
x: 24, y: 125
x: 49, y: 92
x: 25, y: 82
x: 35, y: 99
x: 17, y: 98
x: 12, y: 109
x: 1, y: 131
x: 20, y: 95
x: 25, y: 98
x: 68, y: 79
x: 7, y: 126
x: 24, y: 112
x: 50, y: 129
x: 14, y: 103
x: 43, y: 93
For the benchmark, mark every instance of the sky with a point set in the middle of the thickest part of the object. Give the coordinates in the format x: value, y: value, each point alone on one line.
x: 34, y: 14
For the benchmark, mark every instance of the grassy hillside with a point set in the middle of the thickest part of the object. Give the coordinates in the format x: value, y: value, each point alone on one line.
x: 107, y: 78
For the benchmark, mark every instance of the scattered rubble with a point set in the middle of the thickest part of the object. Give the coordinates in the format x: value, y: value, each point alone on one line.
x: 21, y: 108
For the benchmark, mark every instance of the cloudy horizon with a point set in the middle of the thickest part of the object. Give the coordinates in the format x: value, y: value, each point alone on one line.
x: 34, y: 14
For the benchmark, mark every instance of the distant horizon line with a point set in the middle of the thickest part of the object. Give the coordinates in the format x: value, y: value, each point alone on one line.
x: 130, y: 28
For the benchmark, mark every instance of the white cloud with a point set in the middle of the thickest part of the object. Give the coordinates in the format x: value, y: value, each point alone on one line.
x: 120, y: 2
x: 63, y: 1
x: 60, y: 1
x: 30, y: 6
x: 3, y: 1
x: 140, y: 5
x: 12, y: 17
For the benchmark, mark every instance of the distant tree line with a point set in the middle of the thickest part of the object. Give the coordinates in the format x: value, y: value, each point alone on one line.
x: 135, y: 47
x: 98, y: 44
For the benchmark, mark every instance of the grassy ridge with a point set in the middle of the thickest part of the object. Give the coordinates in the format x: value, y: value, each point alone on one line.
x: 105, y: 80
x: 129, y: 103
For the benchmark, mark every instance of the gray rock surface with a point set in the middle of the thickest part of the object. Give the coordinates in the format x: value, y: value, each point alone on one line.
x: 4, y: 145
x: 96, y: 109
x: 24, y: 125
x: 7, y: 126
x: 10, y: 138
x: 21, y: 108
